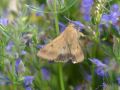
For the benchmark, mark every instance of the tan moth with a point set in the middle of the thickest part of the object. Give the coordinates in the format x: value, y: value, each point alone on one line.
x: 65, y: 47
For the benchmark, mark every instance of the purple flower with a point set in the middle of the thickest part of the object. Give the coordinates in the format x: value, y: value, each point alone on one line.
x: 40, y: 46
x: 9, y: 47
x: 61, y: 26
x: 114, y: 8
x: 87, y: 17
x: 105, y: 19
x: 101, y: 67
x: 19, y: 66
x: 97, y: 62
x: 86, y: 8
x: 114, y: 13
x: 4, y: 80
x: 78, y: 24
x: 45, y: 74
x: 87, y: 3
x: 4, y: 21
x: 88, y: 77
x: 100, y: 71
x: 28, y: 88
x: 23, y: 52
x: 114, y: 17
x: 28, y: 80
x: 118, y: 80
x: 41, y: 9
x: 106, y: 61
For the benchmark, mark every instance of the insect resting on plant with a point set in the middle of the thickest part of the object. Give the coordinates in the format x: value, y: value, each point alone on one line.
x: 67, y: 46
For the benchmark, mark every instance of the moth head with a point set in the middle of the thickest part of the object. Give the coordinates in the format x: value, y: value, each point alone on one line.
x: 77, y: 24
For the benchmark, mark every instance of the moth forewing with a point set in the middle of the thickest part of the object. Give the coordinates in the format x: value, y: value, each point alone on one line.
x: 55, y: 48
x: 65, y: 47
x: 75, y: 47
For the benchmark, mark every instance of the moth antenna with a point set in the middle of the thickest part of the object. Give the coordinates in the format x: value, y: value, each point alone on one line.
x: 70, y: 21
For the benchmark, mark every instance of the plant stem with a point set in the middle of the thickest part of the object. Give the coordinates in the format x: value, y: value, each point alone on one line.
x: 57, y: 33
x: 61, y: 76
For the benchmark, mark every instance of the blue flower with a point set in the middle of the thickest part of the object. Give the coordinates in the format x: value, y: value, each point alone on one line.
x: 61, y: 26
x: 114, y: 13
x: 87, y: 17
x: 100, y: 71
x: 86, y: 8
x: 106, y: 61
x: 78, y: 24
x: 28, y: 88
x: 101, y: 68
x: 97, y: 62
x: 41, y: 9
x: 23, y: 52
x: 40, y: 46
x: 9, y: 47
x: 114, y: 17
x: 19, y: 66
x: 88, y: 78
x: 87, y: 3
x: 4, y: 21
x: 45, y: 73
x: 4, y: 80
x: 105, y: 19
x: 118, y: 80
x: 28, y: 80
x: 114, y: 8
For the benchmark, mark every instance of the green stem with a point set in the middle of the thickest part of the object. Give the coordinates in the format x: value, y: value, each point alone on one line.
x: 61, y: 76
x: 57, y: 33
x: 93, y: 77
x: 56, y: 24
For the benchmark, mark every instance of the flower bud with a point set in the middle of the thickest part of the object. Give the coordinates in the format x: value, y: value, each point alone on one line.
x: 19, y: 66
x: 8, y: 67
x: 58, y: 4
x: 116, y: 47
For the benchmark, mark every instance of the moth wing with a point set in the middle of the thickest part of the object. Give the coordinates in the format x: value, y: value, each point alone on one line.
x: 75, y: 46
x: 66, y: 46
x: 54, y: 49
x: 77, y: 52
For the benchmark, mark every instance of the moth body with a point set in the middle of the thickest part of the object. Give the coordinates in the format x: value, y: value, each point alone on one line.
x: 65, y: 47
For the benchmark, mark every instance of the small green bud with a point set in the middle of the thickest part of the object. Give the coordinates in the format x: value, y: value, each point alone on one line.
x: 58, y: 4
x: 116, y: 47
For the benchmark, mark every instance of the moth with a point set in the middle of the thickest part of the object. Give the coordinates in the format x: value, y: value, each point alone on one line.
x: 65, y: 47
